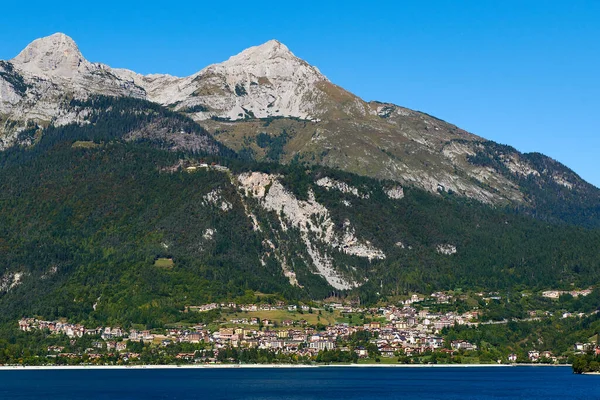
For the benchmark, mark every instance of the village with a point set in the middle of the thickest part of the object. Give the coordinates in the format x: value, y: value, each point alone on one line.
x: 294, y: 331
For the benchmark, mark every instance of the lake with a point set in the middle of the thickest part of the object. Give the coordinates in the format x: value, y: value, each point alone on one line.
x: 301, y: 383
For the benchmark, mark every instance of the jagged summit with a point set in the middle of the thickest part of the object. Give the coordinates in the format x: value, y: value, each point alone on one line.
x: 56, y: 55
x: 267, y: 51
x: 261, y: 81
x: 270, y: 59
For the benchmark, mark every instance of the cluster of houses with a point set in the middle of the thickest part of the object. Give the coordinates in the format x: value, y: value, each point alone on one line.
x: 190, y: 166
x: 76, y: 330
x: 396, y: 330
x: 391, y: 338
x: 202, y: 165
x: 279, y: 305
x: 581, y: 348
x: 535, y: 356
x: 555, y: 294
x: 114, y: 349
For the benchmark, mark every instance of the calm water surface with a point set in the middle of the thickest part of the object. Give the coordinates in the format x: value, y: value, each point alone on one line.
x: 301, y: 383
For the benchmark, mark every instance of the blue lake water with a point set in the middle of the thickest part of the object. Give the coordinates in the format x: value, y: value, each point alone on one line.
x: 301, y: 383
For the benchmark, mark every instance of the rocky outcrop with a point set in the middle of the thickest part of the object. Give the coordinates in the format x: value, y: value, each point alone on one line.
x: 214, y: 198
x: 329, y: 184
x: 10, y: 280
x: 314, y: 223
x: 395, y: 193
x: 446, y: 249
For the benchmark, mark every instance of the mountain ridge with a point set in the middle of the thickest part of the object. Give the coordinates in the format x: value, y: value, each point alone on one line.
x: 267, y: 92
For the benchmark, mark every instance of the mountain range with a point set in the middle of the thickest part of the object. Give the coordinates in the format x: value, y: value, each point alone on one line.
x: 265, y: 97
x: 259, y: 174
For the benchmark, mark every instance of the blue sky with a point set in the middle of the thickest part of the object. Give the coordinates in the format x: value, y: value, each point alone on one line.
x: 519, y: 72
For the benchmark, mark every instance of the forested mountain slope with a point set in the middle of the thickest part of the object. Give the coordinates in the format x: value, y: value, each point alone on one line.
x: 114, y: 221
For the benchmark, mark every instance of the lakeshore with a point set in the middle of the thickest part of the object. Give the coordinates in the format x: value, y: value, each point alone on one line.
x: 298, y: 334
x: 268, y: 366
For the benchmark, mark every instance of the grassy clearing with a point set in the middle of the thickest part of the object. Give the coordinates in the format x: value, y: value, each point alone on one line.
x: 85, y: 145
x: 278, y: 316
x: 164, y: 263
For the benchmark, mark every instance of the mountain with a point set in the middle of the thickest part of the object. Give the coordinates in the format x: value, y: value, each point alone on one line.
x: 269, y: 105
x: 36, y: 85
x: 114, y: 222
x: 260, y: 82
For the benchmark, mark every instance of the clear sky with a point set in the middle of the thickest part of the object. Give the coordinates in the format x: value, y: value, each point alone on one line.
x: 519, y: 72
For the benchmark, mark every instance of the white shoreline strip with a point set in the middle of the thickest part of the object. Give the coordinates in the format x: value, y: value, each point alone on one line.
x: 288, y: 366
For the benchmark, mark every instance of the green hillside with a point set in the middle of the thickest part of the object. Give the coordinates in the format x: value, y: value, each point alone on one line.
x: 85, y: 229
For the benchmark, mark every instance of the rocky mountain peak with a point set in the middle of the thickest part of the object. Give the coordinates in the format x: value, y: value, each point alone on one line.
x: 54, y: 55
x: 270, y: 60
x: 270, y: 50
x: 261, y: 81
